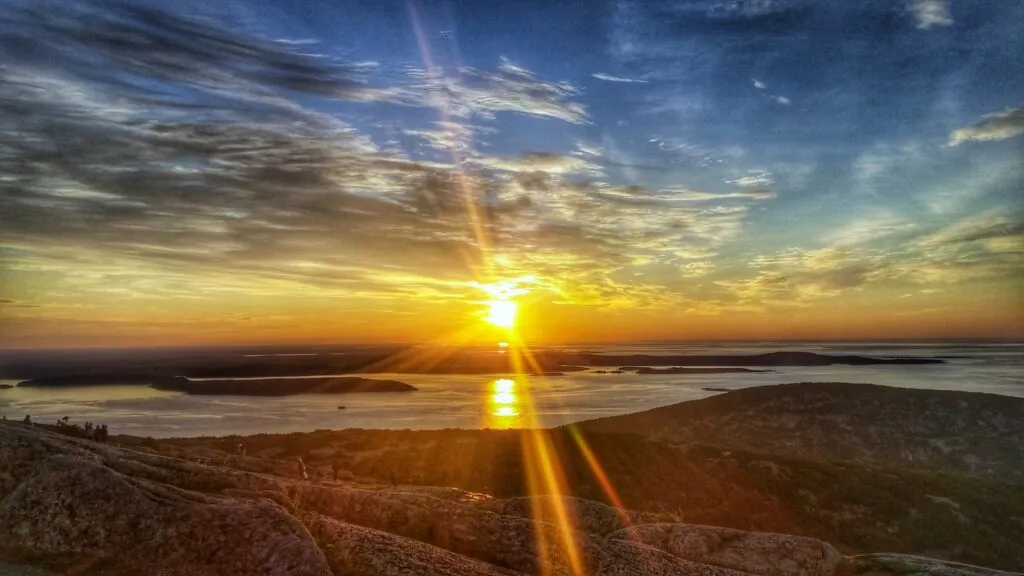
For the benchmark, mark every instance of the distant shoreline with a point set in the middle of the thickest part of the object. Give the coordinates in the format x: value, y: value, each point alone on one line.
x: 142, y: 369
x: 237, y: 387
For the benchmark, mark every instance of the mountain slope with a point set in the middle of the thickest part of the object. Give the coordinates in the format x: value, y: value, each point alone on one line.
x: 979, y: 435
x: 76, y: 507
x: 858, y: 508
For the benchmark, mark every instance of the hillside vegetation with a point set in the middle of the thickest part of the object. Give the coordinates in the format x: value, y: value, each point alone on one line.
x: 968, y: 433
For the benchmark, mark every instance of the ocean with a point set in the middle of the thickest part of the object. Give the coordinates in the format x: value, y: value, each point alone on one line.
x: 468, y: 401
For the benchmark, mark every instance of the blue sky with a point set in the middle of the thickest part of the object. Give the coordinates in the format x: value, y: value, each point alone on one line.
x: 639, y: 164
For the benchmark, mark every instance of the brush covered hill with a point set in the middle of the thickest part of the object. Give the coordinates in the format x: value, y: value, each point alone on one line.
x: 967, y: 433
x: 73, y: 506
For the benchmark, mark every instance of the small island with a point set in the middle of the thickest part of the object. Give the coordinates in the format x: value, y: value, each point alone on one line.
x: 682, y: 370
x: 84, y: 381
x: 279, y: 386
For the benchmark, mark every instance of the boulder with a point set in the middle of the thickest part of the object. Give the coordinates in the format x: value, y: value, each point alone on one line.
x: 761, y: 553
x: 18, y: 570
x: 588, y: 516
x: 76, y: 513
x: 511, y: 542
x: 907, y: 565
x: 352, y: 549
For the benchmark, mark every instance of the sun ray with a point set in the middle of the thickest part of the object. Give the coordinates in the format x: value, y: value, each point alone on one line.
x: 602, y: 478
x: 545, y: 476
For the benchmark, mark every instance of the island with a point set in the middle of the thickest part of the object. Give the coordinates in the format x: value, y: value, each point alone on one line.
x: 783, y: 358
x: 89, y: 380
x: 682, y: 370
x: 279, y: 386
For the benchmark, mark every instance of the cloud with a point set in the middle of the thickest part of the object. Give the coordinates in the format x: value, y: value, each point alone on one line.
x: 983, y: 247
x: 754, y: 178
x: 797, y: 277
x: 471, y: 92
x: 610, y: 78
x: 930, y: 13
x: 759, y: 85
x: 539, y: 162
x: 8, y: 303
x: 589, y: 149
x: 446, y: 135
x: 996, y: 225
x: 698, y: 195
x: 878, y: 225
x: 782, y: 100
x: 167, y: 185
x: 117, y: 43
x: 997, y: 126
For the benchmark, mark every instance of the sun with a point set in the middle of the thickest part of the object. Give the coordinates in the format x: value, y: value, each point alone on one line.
x: 502, y: 313
x: 502, y: 309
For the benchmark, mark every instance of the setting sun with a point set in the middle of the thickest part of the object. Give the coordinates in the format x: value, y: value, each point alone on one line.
x: 502, y: 310
x: 502, y: 313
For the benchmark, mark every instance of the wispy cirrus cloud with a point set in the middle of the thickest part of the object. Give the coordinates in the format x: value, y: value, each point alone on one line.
x: 929, y: 13
x: 997, y: 126
x: 610, y: 78
x: 997, y: 224
x: 481, y: 93
x: 984, y: 246
x: 539, y: 162
x: 754, y: 178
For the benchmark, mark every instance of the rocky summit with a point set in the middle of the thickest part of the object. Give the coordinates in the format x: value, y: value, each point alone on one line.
x: 73, y: 506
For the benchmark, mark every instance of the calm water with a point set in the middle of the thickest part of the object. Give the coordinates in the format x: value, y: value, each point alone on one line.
x: 495, y: 402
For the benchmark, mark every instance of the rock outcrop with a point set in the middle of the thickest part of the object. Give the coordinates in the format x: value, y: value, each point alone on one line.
x: 352, y: 549
x: 908, y: 565
x: 69, y: 510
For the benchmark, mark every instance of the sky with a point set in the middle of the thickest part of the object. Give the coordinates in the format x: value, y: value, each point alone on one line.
x: 336, y: 171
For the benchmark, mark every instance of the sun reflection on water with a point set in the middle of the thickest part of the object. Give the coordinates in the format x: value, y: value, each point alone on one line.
x: 503, y: 404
